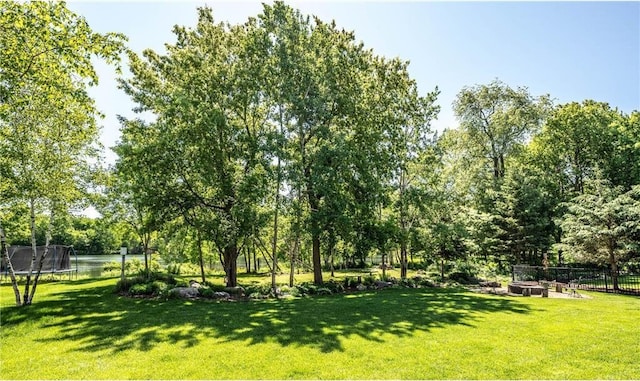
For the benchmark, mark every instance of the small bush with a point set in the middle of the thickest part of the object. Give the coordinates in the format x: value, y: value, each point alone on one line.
x: 158, y: 287
x: 111, y: 266
x: 140, y: 289
x: 146, y: 284
x: 463, y: 278
x: 206, y: 292
x: 260, y: 288
x: 334, y: 286
x: 183, y: 269
x: 417, y: 265
x: 323, y: 291
x: 173, y: 268
x: 368, y: 280
x: 349, y: 282
x: 293, y: 291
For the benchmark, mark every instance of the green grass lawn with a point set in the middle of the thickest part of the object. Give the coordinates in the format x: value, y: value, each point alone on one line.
x: 81, y: 330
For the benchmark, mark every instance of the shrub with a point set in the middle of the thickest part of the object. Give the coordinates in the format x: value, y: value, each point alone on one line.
x: 206, y: 292
x: 124, y: 285
x: 262, y: 289
x: 417, y: 265
x: 334, y: 287
x: 323, y: 291
x: 368, y: 280
x: 423, y: 282
x: 293, y: 291
x: 153, y: 283
x: 463, y: 278
x: 111, y: 266
x: 184, y: 269
x: 158, y: 287
x: 140, y: 289
x: 173, y: 268
x: 349, y: 282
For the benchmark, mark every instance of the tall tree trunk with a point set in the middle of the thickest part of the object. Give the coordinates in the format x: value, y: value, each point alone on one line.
x: 613, y: 264
x: 200, y: 256
x: 145, y: 242
x: 275, y: 217
x: 44, y: 255
x: 256, y: 263
x: 12, y: 274
x: 230, y: 265
x: 496, y: 168
x: 247, y: 259
x: 403, y: 259
x: 293, y: 260
x: 34, y: 251
x: 384, y: 267
x: 145, y: 249
x: 331, y: 258
x: 317, y: 265
x: 274, y: 246
x: 403, y: 225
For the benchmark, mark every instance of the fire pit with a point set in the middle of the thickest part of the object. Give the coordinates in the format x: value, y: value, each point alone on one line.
x: 525, y: 288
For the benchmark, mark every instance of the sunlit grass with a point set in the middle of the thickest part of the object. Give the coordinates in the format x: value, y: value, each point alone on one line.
x: 81, y: 330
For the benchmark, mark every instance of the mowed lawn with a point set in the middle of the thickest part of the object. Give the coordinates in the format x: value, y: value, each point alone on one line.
x: 81, y: 330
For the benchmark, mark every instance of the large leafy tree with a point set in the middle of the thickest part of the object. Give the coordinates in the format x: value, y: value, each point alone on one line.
x: 354, y: 116
x: 48, y: 130
x: 525, y: 215
x: 410, y: 123
x: 584, y: 141
x: 125, y: 202
x: 498, y: 120
x: 210, y: 133
x: 315, y: 62
x: 602, y: 226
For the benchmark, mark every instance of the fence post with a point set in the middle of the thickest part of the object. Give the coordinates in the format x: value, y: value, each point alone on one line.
x: 606, y: 285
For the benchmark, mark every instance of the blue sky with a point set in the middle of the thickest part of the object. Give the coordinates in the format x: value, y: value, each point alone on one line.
x: 570, y: 50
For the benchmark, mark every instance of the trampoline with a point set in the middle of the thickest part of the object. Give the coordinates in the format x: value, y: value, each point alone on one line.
x: 57, y: 261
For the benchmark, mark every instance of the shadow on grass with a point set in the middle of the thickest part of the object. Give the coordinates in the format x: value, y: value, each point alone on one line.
x: 96, y: 319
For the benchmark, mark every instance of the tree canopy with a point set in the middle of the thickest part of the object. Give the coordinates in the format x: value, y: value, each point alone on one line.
x: 285, y: 129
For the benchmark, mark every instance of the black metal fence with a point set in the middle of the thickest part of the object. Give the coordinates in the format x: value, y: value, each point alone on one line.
x: 586, y: 278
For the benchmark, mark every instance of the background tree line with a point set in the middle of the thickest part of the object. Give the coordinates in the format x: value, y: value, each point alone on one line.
x: 284, y: 138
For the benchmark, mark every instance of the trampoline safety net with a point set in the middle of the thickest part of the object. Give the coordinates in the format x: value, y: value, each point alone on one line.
x: 58, y: 259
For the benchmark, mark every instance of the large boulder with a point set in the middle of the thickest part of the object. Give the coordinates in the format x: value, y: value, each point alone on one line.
x: 221, y: 295
x: 382, y: 284
x: 185, y: 292
x: 235, y: 291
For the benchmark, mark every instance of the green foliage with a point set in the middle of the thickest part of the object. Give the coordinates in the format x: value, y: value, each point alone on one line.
x: 525, y: 213
x: 131, y: 266
x: 498, y: 120
x: 182, y: 269
x: 152, y: 284
x: 259, y: 290
x: 602, y: 226
x: 581, y: 140
x: 48, y: 122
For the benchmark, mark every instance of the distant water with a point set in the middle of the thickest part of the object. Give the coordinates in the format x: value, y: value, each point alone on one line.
x: 92, y: 265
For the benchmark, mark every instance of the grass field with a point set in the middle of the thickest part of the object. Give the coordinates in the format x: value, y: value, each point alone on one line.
x: 81, y: 330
